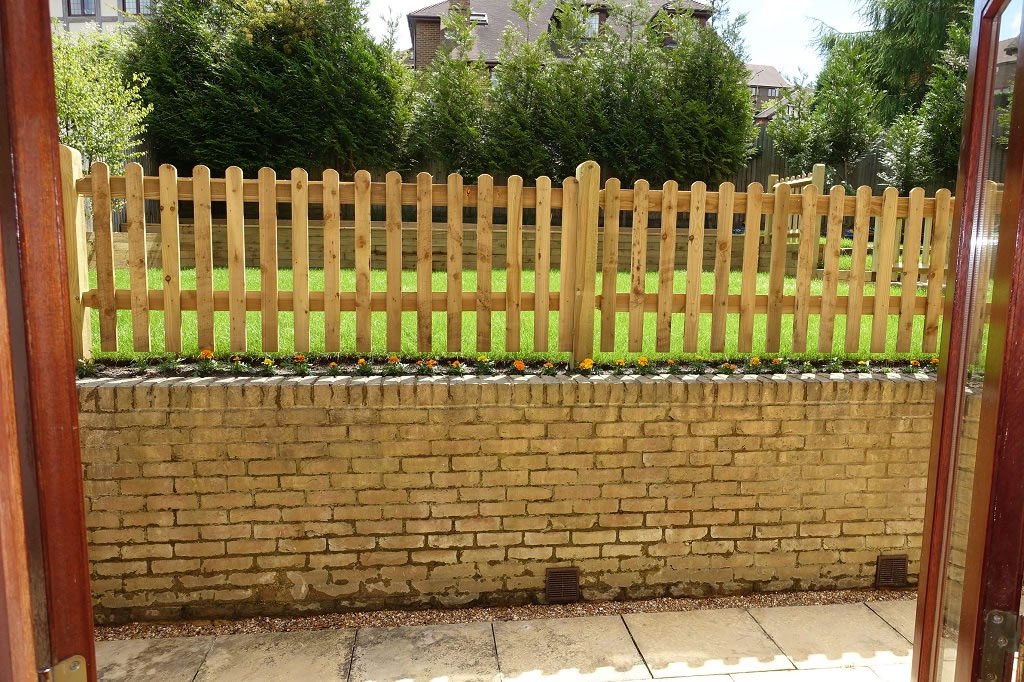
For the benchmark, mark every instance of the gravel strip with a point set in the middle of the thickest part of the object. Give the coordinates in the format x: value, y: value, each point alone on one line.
x: 393, y: 618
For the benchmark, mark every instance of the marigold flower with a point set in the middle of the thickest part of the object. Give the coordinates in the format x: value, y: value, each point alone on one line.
x: 548, y: 365
x: 332, y: 364
x: 431, y: 362
x: 671, y: 363
x: 519, y: 365
x: 755, y: 361
x: 361, y: 361
x: 236, y: 359
x: 862, y: 362
x: 300, y: 358
x: 620, y: 362
x: 456, y: 364
x: 642, y: 361
x: 699, y: 358
x: 587, y: 363
x: 935, y: 361
x: 915, y: 363
x: 776, y: 361
x: 206, y: 354
x: 393, y: 360
x: 268, y: 362
x: 482, y: 358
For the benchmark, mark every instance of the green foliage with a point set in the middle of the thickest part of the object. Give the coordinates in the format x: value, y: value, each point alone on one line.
x: 845, y: 111
x: 450, y: 102
x: 904, y: 160
x: 792, y: 130
x: 942, y: 112
x: 100, y: 112
x: 281, y: 83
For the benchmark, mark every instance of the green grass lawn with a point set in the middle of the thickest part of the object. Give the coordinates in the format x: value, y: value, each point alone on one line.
x: 378, y: 283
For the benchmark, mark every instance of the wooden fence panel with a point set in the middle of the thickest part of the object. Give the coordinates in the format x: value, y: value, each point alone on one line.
x: 104, y: 248
x: 332, y: 261
x: 268, y: 260
x: 300, y: 259
x: 830, y: 279
x: 203, y: 226
x: 638, y: 266
x: 170, y: 256
x: 666, y: 265
x: 362, y: 256
x: 484, y: 260
x: 610, y: 263
x: 236, y: 258
x: 542, y: 266
x: 514, y: 266
x: 694, y: 266
x: 858, y: 267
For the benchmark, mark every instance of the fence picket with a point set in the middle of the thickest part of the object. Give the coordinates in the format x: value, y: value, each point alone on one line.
x: 362, y: 262
x: 234, y: 184
x: 332, y: 261
x: 514, y: 265
x: 858, y: 268
x: 911, y: 269
x: 454, y: 288
x: 638, y: 266
x: 810, y: 234
x: 424, y: 262
x: 103, y: 246
x: 936, y: 270
x: 723, y: 265
x: 588, y: 175
x: 777, y: 269
x: 567, y: 267
x: 74, y: 244
x: 751, y: 255
x: 883, y: 261
x: 170, y: 257
x: 268, y: 260
x: 300, y: 259
x: 542, y: 266
x: 666, y: 265
x: 393, y: 264
x: 484, y: 260
x: 694, y: 266
x: 830, y: 279
x: 202, y: 206
x: 610, y: 262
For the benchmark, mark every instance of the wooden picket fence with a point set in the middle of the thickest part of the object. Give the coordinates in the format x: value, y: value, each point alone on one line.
x: 584, y: 207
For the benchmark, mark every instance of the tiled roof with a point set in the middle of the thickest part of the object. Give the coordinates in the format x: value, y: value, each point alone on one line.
x: 766, y: 76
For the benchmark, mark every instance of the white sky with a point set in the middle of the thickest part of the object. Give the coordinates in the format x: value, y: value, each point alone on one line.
x: 778, y: 32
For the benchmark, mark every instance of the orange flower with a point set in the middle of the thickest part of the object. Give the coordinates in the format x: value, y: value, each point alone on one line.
x: 431, y: 362
x: 755, y: 361
x: 361, y: 361
x: 620, y: 362
x: 456, y: 364
x: 935, y: 361
x: 671, y: 363
x: 332, y: 364
x: 587, y: 363
x: 393, y: 360
x: 915, y: 363
x: 236, y: 359
x: 419, y: 362
x: 300, y: 358
x: 776, y: 361
x: 206, y: 354
x: 519, y: 365
x: 548, y: 365
x: 642, y: 361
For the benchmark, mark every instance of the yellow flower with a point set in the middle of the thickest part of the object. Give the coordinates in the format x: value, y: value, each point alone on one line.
x: 268, y: 362
x: 236, y: 359
x: 642, y: 361
x: 755, y: 361
x: 206, y: 354
x: 620, y: 362
x: 361, y: 361
x: 699, y: 358
x: 671, y: 363
x: 519, y: 365
x: 548, y: 365
x: 587, y: 363
x: 862, y: 363
x: 482, y: 358
x: 393, y: 360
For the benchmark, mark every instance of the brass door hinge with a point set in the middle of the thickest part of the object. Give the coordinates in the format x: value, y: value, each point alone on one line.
x: 72, y: 669
x: 1002, y: 639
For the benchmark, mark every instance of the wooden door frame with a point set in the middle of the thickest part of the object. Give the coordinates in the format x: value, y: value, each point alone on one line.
x: 46, y: 614
x: 1002, y: 401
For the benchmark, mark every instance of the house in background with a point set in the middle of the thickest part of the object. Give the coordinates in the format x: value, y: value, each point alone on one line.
x: 767, y: 86
x: 80, y: 15
x: 493, y: 16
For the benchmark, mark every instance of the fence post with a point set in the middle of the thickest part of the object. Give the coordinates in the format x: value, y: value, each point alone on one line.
x: 588, y: 175
x: 74, y: 243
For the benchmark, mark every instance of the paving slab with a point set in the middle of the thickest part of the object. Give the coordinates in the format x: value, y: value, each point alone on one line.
x: 893, y: 673
x: 833, y: 636
x: 595, y: 649
x: 833, y: 675
x: 279, y: 657
x: 709, y: 642
x: 899, y: 614
x: 453, y: 653
x: 174, y: 659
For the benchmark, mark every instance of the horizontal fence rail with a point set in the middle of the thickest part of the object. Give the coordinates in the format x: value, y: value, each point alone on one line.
x: 794, y: 238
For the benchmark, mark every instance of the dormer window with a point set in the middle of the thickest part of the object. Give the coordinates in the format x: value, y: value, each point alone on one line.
x: 478, y: 18
x: 593, y: 24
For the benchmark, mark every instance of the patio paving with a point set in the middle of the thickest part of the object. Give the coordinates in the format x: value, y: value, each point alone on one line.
x: 840, y: 643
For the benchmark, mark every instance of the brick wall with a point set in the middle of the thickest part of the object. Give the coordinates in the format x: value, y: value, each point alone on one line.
x: 229, y: 497
x: 426, y: 42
